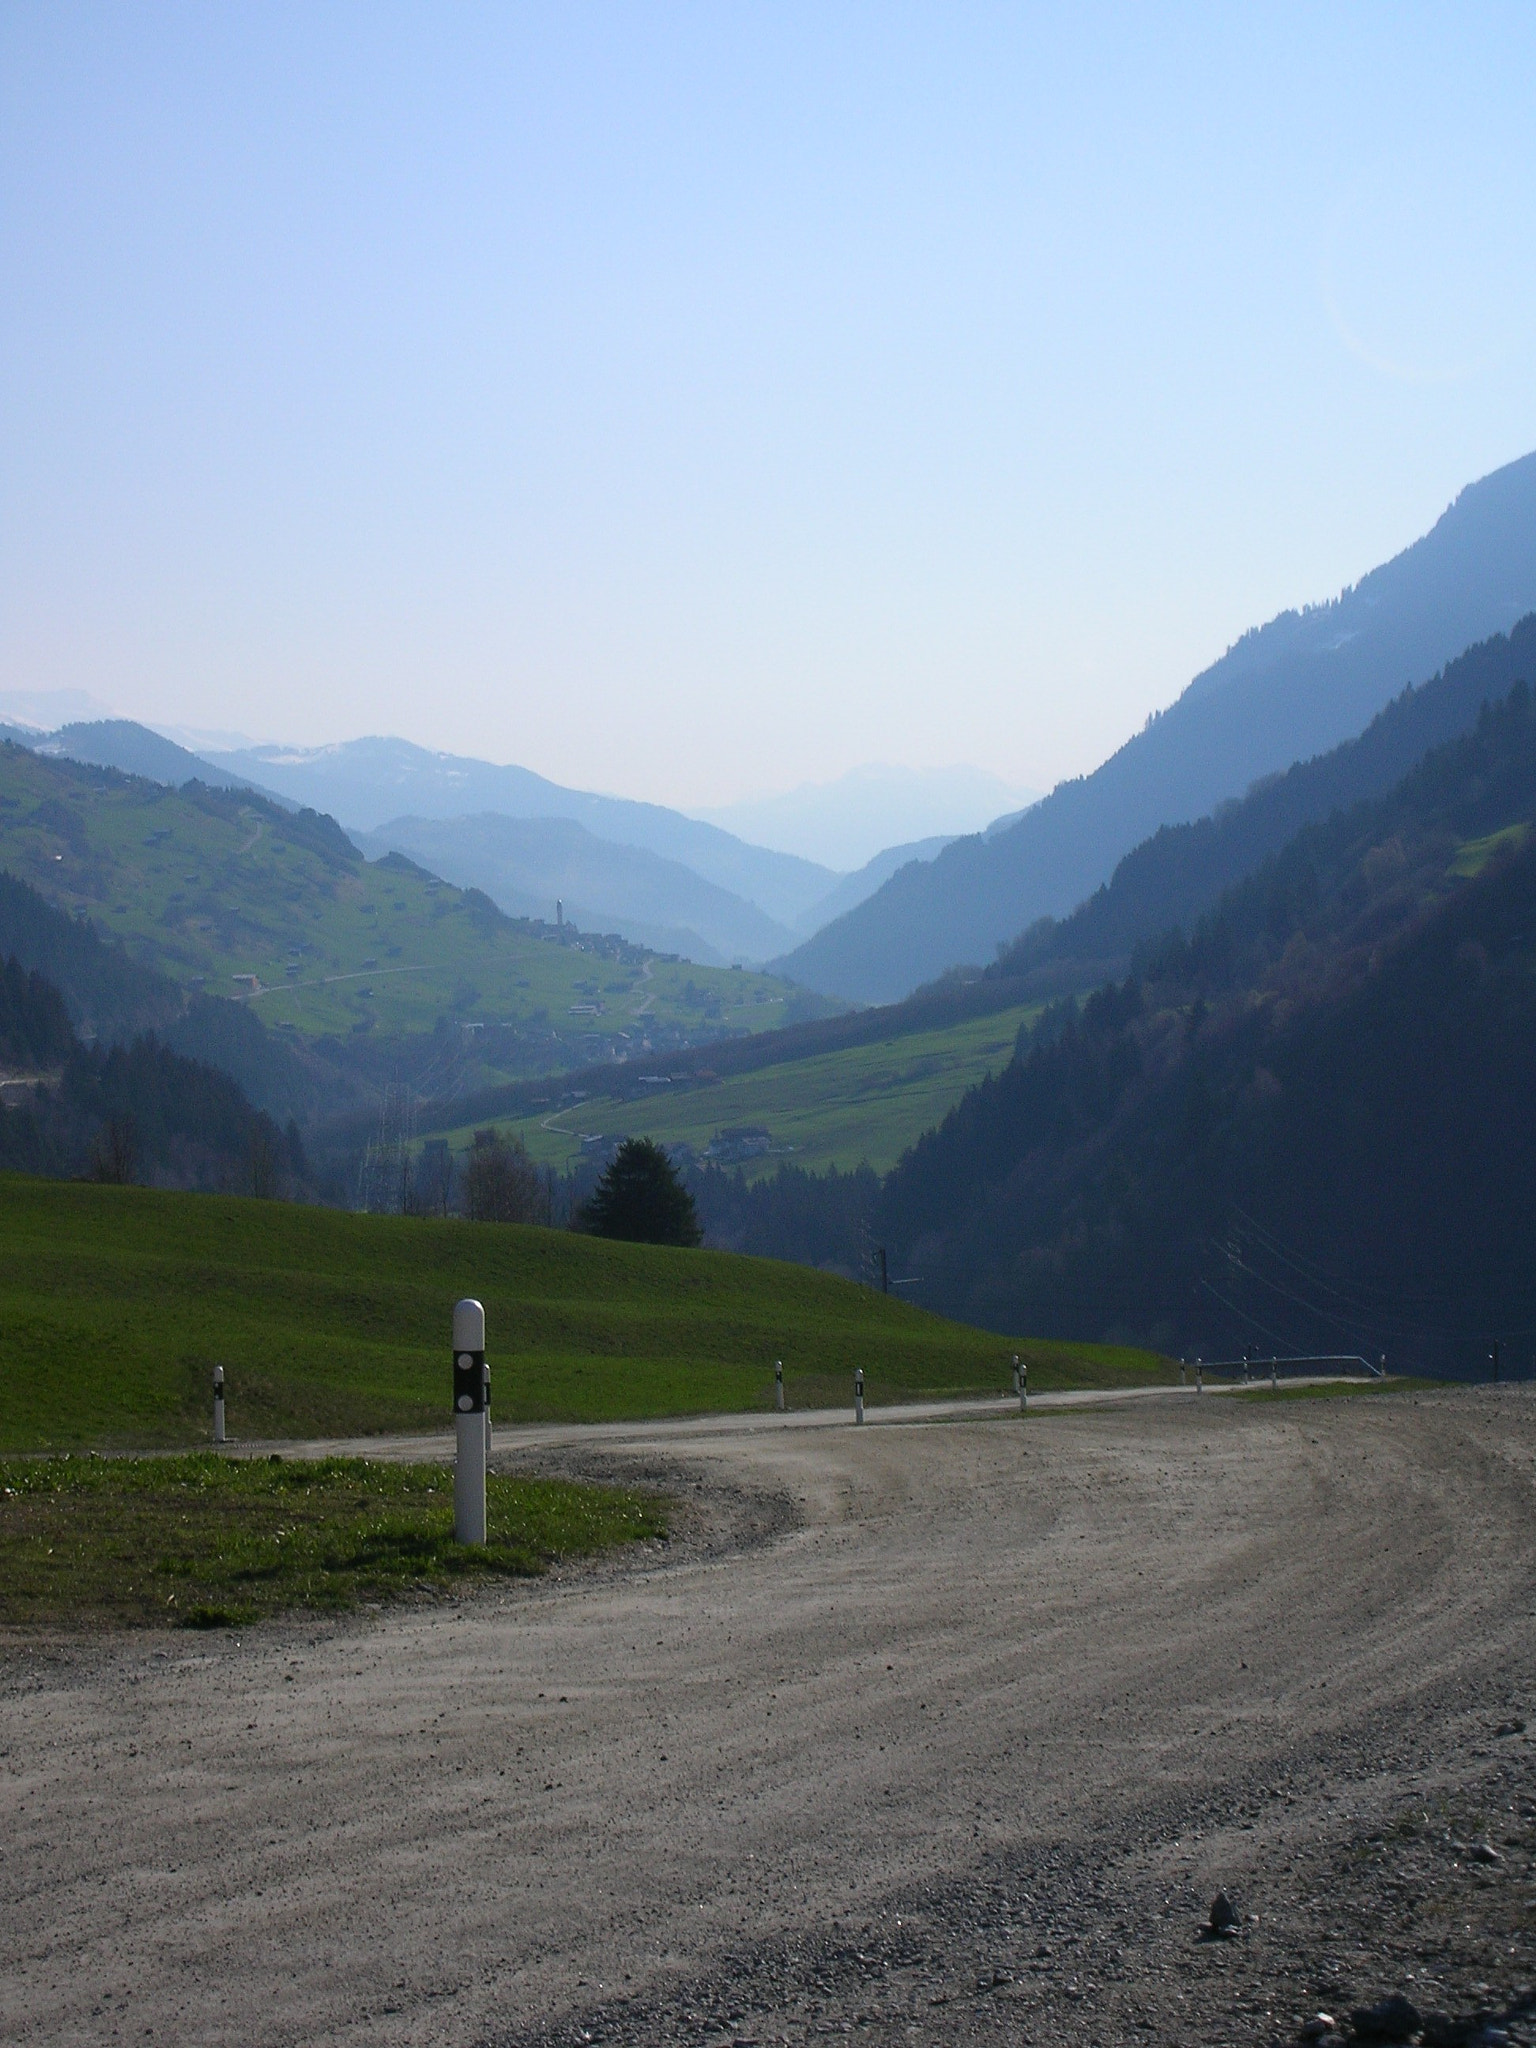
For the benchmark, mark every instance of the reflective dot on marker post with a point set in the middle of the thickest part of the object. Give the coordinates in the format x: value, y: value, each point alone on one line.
x: 466, y: 1402
x: 465, y: 1361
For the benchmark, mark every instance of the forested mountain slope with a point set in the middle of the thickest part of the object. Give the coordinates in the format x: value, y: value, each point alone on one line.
x: 1285, y: 692
x: 1180, y: 872
x: 126, y: 1112
x: 1309, y: 1125
x: 110, y: 998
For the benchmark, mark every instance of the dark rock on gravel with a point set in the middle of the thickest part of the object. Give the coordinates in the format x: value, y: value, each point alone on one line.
x: 1393, y: 2018
x: 1224, y: 1923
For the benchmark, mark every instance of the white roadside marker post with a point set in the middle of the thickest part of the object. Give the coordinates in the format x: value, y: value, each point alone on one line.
x: 470, y: 1422
x: 858, y: 1394
x: 778, y: 1384
x: 1274, y: 1379
x: 1199, y: 1377
x: 1015, y: 1372
x: 218, y: 1404
x: 1024, y: 1386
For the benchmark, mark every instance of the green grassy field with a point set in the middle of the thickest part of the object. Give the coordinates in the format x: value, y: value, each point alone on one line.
x: 867, y: 1102
x: 116, y: 1303
x: 207, y: 1541
x: 1475, y: 855
x: 217, y: 892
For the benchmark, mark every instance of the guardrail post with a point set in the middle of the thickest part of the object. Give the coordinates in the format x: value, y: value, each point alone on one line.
x: 858, y: 1395
x: 470, y: 1422
x: 778, y: 1384
x: 218, y: 1404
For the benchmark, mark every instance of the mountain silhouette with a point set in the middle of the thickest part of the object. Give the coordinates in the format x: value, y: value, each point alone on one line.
x: 1284, y: 692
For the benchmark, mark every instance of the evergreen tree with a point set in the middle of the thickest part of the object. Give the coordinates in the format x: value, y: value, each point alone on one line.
x: 641, y: 1198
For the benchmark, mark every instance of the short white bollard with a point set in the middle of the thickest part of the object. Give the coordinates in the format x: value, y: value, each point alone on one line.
x: 858, y: 1394
x: 469, y: 1422
x: 218, y: 1404
x: 778, y: 1384
x: 1024, y: 1386
x: 1199, y: 1377
x: 1015, y: 1372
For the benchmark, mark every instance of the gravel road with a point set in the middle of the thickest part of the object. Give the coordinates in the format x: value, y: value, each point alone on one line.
x: 939, y: 1733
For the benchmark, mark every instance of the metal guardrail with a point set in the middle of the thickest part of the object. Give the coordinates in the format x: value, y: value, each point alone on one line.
x: 1350, y: 1364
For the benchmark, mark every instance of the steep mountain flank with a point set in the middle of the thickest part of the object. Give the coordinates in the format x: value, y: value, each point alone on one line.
x: 1308, y: 1125
x: 1285, y: 692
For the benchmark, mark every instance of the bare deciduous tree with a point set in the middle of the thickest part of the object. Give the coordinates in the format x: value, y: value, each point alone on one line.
x: 116, y: 1157
x: 501, y: 1183
x: 432, y: 1191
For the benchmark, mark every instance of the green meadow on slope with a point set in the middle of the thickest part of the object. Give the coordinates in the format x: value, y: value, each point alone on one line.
x: 862, y: 1103
x: 220, y: 888
x: 117, y: 1302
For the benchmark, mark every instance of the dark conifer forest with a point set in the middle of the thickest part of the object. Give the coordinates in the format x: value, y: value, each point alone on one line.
x: 1308, y: 1124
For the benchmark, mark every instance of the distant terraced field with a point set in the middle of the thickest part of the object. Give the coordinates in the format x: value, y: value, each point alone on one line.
x: 863, y: 1103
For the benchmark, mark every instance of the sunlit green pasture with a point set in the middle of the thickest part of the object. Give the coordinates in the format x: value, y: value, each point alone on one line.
x: 864, y: 1103
x: 117, y: 1303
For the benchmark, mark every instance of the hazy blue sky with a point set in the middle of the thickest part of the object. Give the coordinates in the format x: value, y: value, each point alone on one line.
x: 694, y: 400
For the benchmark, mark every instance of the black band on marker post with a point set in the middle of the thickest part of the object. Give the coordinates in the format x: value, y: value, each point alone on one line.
x: 469, y: 1382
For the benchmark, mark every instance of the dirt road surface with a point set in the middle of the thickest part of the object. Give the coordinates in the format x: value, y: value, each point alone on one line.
x: 940, y: 1733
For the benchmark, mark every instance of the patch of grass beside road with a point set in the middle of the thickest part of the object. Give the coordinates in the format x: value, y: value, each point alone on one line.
x: 206, y: 1541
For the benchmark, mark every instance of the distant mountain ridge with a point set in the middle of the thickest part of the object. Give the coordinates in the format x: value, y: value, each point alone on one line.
x: 133, y: 749
x: 850, y: 821
x: 367, y: 782
x: 1284, y: 692
x: 1176, y: 875
x: 863, y: 882
x: 526, y: 864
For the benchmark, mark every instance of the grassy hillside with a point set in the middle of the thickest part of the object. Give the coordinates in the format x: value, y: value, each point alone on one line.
x: 223, y: 890
x: 116, y: 1303
x: 864, y: 1102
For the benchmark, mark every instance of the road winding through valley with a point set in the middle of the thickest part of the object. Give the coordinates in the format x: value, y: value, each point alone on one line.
x: 938, y: 1732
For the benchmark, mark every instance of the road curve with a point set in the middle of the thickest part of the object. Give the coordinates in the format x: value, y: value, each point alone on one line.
x: 901, y: 1715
